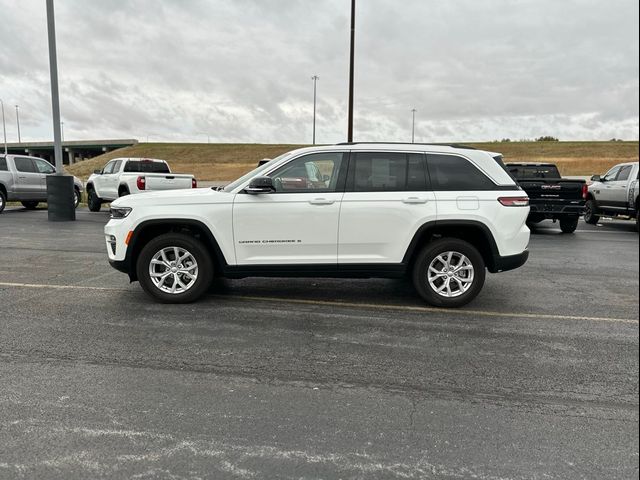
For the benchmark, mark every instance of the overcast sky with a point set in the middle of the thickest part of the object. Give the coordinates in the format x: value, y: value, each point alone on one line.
x: 240, y: 70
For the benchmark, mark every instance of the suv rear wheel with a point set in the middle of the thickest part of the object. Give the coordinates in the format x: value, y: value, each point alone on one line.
x: 449, y: 272
x: 175, y: 268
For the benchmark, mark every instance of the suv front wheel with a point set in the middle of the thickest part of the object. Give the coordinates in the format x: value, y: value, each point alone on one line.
x: 175, y: 268
x: 449, y: 273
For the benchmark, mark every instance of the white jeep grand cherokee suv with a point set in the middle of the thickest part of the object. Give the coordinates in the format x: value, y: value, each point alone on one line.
x: 442, y: 214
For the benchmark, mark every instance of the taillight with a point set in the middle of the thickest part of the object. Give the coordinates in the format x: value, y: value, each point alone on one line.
x: 141, y: 182
x: 194, y: 183
x: 585, y: 191
x: 514, y: 201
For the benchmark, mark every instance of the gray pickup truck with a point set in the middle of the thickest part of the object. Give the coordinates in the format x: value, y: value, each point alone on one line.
x: 24, y: 179
x: 614, y: 194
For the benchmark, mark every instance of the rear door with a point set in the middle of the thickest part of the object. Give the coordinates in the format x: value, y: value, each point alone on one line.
x: 618, y: 187
x: 44, y: 168
x: 387, y: 199
x: 297, y: 224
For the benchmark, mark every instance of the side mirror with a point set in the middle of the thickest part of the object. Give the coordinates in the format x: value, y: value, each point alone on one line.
x: 98, y: 172
x: 260, y: 185
x: 596, y: 178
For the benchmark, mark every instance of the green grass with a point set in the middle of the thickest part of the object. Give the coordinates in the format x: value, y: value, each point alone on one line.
x: 227, y: 161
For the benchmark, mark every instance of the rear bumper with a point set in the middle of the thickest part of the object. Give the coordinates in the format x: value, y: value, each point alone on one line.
x: 503, y: 264
x: 550, y: 209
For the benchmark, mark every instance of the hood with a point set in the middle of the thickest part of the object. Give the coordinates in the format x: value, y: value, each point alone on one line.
x: 192, y: 196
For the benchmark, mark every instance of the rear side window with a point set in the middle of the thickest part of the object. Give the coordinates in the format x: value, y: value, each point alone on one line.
x: 387, y: 172
x: 449, y: 172
x: 146, y: 166
x: 24, y: 165
x: 533, y: 171
x: 3, y: 164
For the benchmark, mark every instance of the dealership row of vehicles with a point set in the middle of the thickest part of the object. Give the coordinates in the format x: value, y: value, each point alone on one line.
x: 442, y: 215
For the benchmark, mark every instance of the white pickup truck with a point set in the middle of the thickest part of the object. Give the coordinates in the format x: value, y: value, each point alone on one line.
x: 124, y: 176
x: 613, y: 194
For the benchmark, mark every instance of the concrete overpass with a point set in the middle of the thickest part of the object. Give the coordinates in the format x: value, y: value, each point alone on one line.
x: 72, y: 151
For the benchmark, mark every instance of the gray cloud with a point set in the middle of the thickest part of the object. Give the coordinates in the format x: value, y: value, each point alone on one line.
x: 240, y: 71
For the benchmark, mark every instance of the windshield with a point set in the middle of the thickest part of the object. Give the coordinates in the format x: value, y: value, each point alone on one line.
x: 235, y: 184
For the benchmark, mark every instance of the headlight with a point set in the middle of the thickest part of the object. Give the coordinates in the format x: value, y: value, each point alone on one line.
x: 119, y: 212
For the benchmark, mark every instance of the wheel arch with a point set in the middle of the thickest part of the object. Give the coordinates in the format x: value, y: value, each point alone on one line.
x: 474, y: 232
x: 150, y: 229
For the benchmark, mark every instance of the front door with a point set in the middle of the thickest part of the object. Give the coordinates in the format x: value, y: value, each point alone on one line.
x: 28, y: 181
x: 298, y: 223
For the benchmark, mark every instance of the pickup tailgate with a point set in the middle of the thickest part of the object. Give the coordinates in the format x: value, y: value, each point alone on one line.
x: 167, y: 181
x: 554, y: 195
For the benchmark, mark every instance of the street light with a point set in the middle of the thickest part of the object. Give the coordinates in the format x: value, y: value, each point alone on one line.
x: 4, y: 127
x: 351, y: 56
x: 59, y: 186
x: 18, y: 122
x: 413, y: 124
x: 315, y: 80
x: 62, y: 131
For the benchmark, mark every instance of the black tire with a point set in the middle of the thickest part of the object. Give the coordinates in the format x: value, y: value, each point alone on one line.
x: 30, y: 205
x: 123, y: 192
x: 3, y: 200
x: 93, y: 201
x: 430, y: 254
x: 192, y: 246
x: 590, y: 210
x: 568, y: 224
x: 77, y: 196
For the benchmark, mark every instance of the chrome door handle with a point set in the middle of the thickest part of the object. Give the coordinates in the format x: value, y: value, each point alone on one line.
x: 414, y: 200
x: 21, y: 177
x: 321, y: 201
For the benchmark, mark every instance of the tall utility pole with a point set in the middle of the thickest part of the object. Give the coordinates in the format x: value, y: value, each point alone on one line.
x: 62, y: 131
x: 351, y: 56
x: 59, y: 186
x: 4, y: 127
x: 18, y: 122
x: 413, y: 125
x: 315, y: 80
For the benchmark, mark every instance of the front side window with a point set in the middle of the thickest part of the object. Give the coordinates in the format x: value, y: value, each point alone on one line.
x: 317, y: 172
x: 624, y: 173
x: 108, y: 168
x: 450, y: 172
x: 611, y: 174
x: 387, y: 172
x: 44, y: 167
x: 24, y: 165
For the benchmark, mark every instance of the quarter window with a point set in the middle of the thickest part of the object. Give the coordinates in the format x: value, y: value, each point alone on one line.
x: 388, y: 172
x: 318, y: 172
x: 24, y: 165
x: 450, y: 172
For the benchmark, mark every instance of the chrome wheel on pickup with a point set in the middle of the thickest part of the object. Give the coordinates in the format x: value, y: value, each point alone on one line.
x: 175, y: 268
x: 449, y: 272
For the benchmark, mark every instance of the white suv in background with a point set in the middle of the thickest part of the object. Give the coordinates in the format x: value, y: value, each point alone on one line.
x: 441, y: 214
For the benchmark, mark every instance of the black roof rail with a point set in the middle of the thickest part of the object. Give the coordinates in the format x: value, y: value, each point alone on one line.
x: 453, y: 145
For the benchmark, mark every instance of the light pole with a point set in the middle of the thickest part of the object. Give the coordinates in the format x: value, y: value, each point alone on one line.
x: 4, y: 127
x: 59, y: 186
x: 18, y: 122
x: 62, y: 131
x: 351, y: 56
x: 315, y: 80
x: 413, y: 125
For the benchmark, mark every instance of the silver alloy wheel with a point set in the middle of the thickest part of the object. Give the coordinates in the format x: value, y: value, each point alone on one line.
x: 173, y: 270
x: 450, y: 274
x: 76, y: 198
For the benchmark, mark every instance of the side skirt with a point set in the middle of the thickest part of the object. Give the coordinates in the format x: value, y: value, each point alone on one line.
x: 395, y: 270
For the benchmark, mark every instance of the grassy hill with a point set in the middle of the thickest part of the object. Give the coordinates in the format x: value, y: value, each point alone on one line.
x: 226, y: 161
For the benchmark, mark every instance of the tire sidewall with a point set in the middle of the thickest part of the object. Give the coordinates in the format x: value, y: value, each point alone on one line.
x: 76, y: 198
x: 590, y: 213
x: 568, y: 225
x: 193, y: 246
x: 432, y: 250
x: 93, y: 201
x: 3, y: 201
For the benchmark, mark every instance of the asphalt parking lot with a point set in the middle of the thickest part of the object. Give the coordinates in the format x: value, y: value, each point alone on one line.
x: 308, y: 378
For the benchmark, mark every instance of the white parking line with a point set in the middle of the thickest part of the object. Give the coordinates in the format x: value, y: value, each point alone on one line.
x: 372, y: 306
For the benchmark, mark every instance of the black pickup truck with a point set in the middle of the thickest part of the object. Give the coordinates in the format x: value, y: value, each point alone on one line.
x: 550, y: 195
